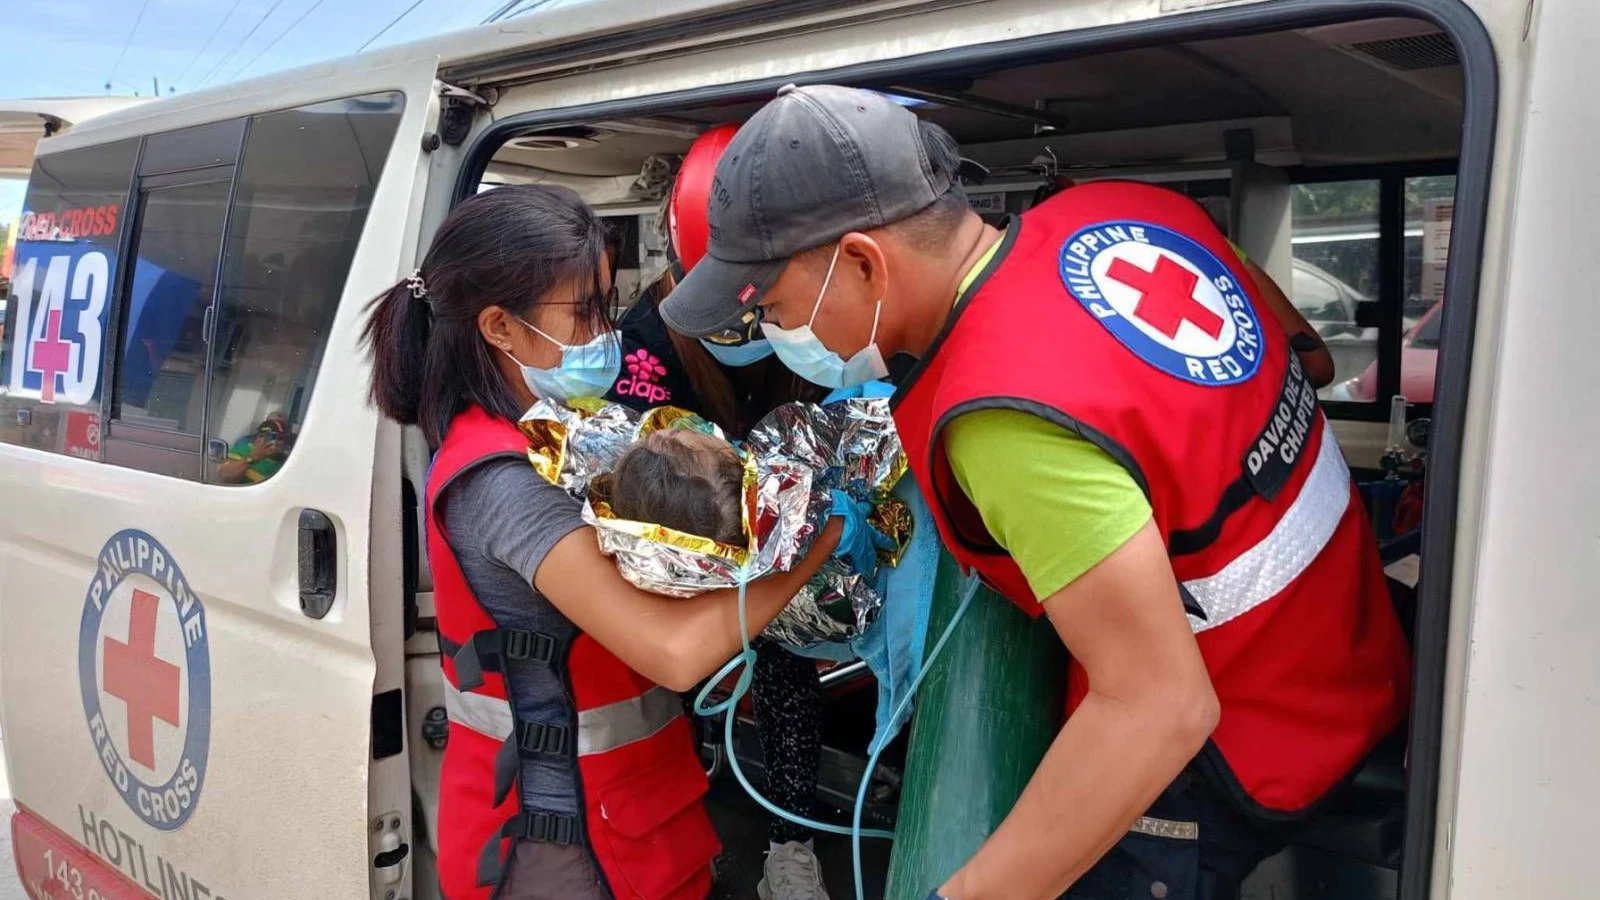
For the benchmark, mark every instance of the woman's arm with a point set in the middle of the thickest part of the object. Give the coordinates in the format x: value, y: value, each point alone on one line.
x: 673, y: 642
x: 1316, y: 359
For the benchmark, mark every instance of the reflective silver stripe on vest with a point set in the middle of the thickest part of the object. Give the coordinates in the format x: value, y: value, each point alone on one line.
x: 1166, y: 828
x: 1263, y: 571
x: 618, y: 724
x: 488, y: 716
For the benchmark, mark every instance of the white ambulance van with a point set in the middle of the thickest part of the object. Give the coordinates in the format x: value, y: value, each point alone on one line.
x: 219, y: 672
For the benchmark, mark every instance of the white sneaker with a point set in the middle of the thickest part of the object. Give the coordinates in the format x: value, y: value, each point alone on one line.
x: 792, y: 873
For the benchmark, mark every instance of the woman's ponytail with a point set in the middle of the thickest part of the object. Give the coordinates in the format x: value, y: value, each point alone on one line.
x: 397, y: 336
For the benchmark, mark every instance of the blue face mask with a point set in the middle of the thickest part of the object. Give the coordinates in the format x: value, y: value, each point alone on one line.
x: 586, y: 370
x: 804, y: 353
x: 737, y: 356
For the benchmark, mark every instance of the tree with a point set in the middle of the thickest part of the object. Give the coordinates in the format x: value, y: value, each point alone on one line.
x: 1334, y: 201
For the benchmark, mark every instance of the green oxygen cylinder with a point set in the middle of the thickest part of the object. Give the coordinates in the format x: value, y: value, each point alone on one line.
x: 985, y: 715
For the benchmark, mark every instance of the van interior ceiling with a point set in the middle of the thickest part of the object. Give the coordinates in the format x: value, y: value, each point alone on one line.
x: 1362, y: 93
x: 1292, y: 140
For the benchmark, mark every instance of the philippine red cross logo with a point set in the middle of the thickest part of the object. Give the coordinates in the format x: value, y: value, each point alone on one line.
x: 1166, y: 298
x: 145, y: 671
x: 149, y: 687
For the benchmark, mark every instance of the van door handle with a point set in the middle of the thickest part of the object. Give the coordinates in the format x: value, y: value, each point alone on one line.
x: 319, y: 563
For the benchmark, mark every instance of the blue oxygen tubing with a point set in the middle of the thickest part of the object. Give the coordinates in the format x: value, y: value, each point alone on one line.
x: 747, y: 658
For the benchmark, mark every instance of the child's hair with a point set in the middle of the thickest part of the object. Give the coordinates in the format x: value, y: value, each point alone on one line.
x: 683, y: 480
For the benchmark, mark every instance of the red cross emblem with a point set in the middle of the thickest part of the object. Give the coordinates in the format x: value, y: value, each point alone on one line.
x: 51, y: 355
x: 1167, y: 297
x: 142, y: 680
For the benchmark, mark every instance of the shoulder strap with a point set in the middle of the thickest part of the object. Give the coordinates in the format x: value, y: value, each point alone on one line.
x: 473, y: 437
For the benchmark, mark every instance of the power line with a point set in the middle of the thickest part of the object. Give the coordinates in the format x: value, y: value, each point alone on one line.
x: 292, y: 25
x: 242, y: 41
x: 500, y: 13
x: 129, y: 40
x: 395, y: 21
x: 523, y: 7
x: 207, y: 45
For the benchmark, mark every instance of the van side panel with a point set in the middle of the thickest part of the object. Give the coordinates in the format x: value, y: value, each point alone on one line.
x: 181, y: 700
x: 1530, y: 726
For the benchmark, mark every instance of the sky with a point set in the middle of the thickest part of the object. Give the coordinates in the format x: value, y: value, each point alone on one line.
x: 74, y: 48
x: 67, y: 48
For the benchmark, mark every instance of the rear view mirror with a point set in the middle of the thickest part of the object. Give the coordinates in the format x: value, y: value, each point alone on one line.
x: 1367, y: 314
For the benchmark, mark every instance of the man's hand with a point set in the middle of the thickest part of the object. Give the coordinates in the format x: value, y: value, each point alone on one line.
x: 1149, y: 710
x: 859, y: 542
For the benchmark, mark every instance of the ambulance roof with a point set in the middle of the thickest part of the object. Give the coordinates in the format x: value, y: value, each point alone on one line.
x: 571, y: 26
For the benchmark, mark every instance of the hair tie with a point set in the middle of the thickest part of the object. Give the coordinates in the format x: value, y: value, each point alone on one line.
x: 419, y: 289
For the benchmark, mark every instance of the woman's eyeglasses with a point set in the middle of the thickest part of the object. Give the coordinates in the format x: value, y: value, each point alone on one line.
x: 608, y: 302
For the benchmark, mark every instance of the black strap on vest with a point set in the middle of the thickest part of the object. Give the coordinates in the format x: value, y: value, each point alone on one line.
x: 1182, y: 542
x: 487, y: 651
x: 544, y: 828
x: 528, y: 739
x: 1267, y: 463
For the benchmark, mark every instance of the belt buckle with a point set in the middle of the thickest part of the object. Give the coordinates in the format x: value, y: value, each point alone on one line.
x: 537, y: 737
x: 552, y: 829
x: 532, y: 645
x: 515, y: 644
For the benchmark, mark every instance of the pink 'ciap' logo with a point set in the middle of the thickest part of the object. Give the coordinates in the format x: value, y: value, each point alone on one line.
x: 644, y: 370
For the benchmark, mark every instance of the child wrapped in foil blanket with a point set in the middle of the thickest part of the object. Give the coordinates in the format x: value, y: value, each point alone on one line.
x: 684, y: 511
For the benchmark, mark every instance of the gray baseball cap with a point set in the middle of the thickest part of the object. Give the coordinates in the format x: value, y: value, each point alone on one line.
x: 810, y: 167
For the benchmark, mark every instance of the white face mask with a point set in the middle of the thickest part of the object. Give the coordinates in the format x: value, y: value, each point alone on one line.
x: 804, y: 353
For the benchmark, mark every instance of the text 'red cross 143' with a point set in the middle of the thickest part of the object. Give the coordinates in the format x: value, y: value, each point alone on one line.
x: 144, y: 681
x: 51, y: 355
x: 1167, y: 297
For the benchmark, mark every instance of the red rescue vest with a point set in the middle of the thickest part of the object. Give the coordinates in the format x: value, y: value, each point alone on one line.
x: 638, y: 773
x: 1119, y: 311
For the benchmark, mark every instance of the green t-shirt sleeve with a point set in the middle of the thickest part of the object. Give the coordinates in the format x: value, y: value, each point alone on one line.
x: 1057, y: 503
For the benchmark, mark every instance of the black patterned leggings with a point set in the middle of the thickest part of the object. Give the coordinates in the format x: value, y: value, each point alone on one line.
x: 788, y: 700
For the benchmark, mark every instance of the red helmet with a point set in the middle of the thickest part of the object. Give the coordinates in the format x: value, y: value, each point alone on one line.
x: 688, y: 225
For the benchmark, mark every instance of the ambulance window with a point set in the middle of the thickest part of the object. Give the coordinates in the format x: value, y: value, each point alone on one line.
x: 162, y: 368
x: 1335, y: 240
x: 65, y: 257
x: 304, y: 186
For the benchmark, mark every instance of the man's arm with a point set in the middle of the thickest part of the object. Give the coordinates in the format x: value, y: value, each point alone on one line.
x: 1149, y: 710
x: 233, y: 469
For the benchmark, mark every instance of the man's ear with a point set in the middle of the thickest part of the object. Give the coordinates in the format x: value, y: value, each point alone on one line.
x: 494, y: 323
x: 861, y: 263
